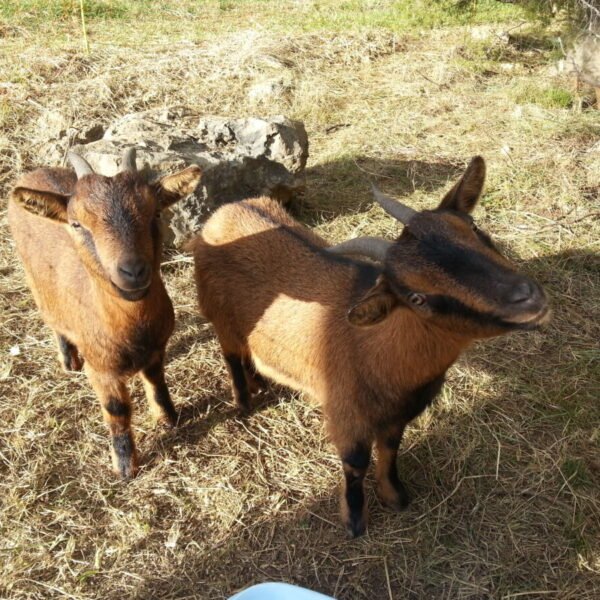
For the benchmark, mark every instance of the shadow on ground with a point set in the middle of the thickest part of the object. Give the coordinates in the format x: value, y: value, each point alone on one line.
x: 344, y: 185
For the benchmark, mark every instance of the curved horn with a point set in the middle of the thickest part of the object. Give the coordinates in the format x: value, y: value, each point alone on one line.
x: 372, y: 247
x: 398, y: 210
x: 81, y: 166
x: 128, y: 160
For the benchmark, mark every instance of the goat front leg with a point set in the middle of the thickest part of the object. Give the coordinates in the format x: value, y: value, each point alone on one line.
x: 116, y: 410
x: 355, y: 461
x: 390, y: 489
x: 241, y: 384
x: 157, y: 392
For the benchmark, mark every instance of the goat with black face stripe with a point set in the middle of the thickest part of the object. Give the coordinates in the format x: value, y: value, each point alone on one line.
x: 91, y: 248
x: 371, y: 341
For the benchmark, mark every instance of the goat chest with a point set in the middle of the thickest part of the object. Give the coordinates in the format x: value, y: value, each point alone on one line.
x: 407, y: 406
x: 126, y: 349
x: 414, y: 403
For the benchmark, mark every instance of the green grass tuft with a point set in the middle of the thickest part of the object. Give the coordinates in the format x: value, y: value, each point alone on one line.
x: 549, y: 97
x: 41, y: 11
x: 576, y: 473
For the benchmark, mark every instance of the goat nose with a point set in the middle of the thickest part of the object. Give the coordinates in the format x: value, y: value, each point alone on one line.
x: 134, y: 271
x: 521, y: 292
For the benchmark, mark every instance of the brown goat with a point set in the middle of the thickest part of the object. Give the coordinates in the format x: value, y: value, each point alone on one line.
x: 91, y: 247
x: 372, y: 342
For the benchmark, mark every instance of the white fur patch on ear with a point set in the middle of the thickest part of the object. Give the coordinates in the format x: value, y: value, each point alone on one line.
x: 42, y: 203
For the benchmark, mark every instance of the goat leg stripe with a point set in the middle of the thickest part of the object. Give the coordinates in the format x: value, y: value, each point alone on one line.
x: 117, y: 408
x: 358, y: 458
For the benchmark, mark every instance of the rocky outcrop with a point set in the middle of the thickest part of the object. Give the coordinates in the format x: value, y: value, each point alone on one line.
x: 240, y: 158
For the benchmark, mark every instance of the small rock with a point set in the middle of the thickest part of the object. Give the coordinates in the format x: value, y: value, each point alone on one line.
x: 486, y: 32
x: 268, y: 89
x: 481, y: 32
x: 53, y: 124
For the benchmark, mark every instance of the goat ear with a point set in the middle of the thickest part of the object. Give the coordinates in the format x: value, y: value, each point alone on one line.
x: 42, y: 203
x: 374, y: 306
x: 173, y: 188
x: 464, y: 195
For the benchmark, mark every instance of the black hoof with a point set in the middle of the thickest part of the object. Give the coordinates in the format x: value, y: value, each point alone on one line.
x: 243, y: 405
x: 356, y: 527
x: 170, y: 418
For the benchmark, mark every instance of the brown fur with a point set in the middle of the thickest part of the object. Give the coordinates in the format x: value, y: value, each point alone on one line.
x: 280, y: 301
x: 72, y: 272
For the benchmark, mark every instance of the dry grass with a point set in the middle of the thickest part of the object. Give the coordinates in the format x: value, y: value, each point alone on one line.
x: 504, y: 470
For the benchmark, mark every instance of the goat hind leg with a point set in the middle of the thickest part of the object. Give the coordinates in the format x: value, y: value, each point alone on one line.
x: 254, y: 380
x: 157, y: 392
x: 239, y: 382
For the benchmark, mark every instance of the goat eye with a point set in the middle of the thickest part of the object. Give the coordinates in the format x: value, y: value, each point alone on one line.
x: 416, y: 299
x: 474, y: 227
x: 75, y: 224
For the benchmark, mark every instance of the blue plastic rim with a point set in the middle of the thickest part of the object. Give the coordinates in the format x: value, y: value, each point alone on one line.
x: 278, y: 591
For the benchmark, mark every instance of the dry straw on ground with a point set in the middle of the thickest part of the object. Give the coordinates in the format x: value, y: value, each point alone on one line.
x: 504, y: 469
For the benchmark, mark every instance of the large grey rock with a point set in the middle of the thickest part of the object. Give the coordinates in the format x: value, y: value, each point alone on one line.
x: 240, y: 158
